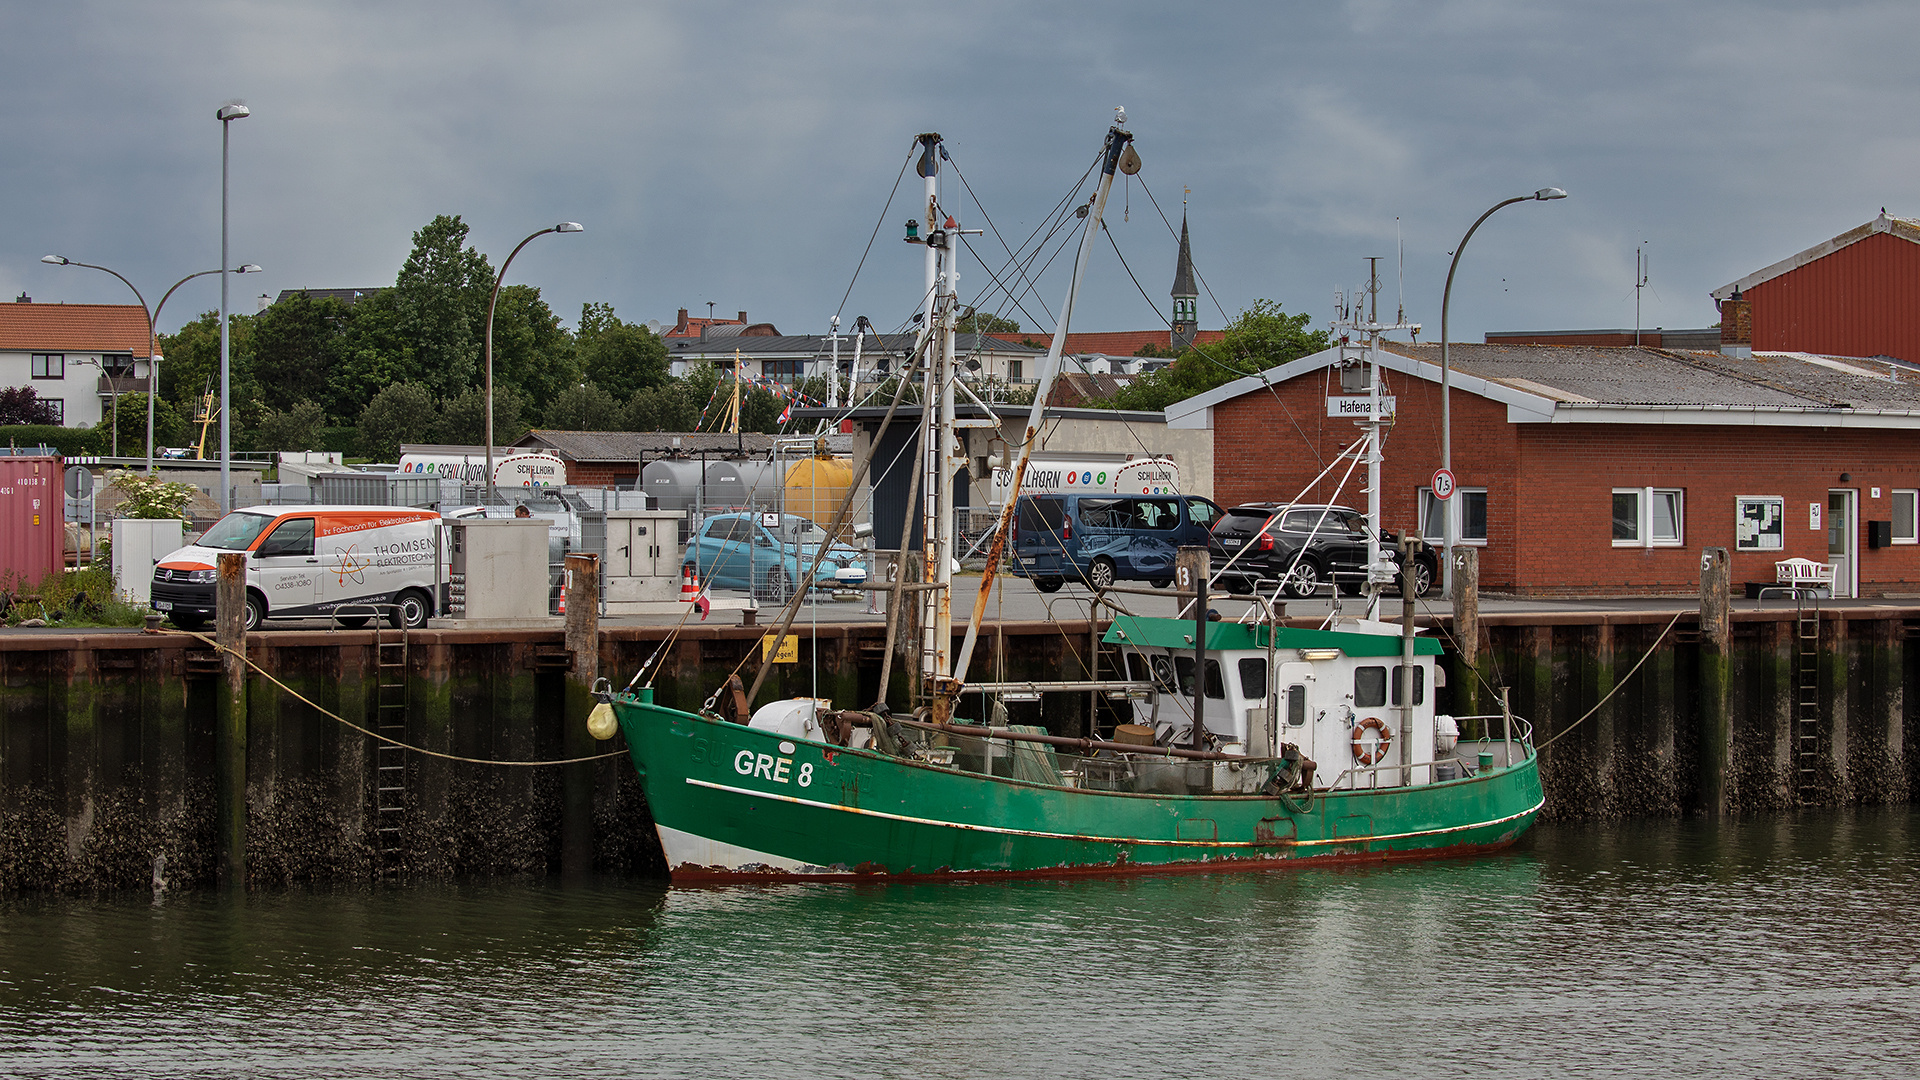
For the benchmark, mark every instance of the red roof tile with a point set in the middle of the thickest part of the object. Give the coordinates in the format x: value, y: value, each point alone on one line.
x: 33, y: 327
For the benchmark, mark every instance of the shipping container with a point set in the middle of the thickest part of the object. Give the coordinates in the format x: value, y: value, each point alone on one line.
x: 32, y: 523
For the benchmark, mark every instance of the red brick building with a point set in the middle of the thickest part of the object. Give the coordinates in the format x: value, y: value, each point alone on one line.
x: 1857, y: 294
x: 1603, y: 471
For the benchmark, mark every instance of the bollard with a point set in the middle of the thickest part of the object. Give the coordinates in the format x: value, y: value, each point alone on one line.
x: 583, y: 643
x: 1716, y: 678
x: 230, y: 725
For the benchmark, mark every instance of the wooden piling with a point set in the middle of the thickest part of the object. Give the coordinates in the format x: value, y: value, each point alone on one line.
x: 230, y: 724
x: 583, y: 644
x: 1466, y: 631
x: 1716, y: 678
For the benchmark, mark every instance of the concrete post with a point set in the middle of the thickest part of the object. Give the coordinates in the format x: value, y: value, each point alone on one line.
x: 1466, y: 631
x: 1716, y: 678
x: 583, y: 642
x: 230, y: 725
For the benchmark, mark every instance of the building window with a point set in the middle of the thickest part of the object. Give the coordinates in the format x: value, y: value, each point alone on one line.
x: 1469, y: 509
x: 59, y: 407
x: 49, y: 365
x: 118, y: 365
x: 1648, y: 517
x: 1760, y: 522
x: 784, y: 371
x: 1906, y: 527
x: 1015, y: 369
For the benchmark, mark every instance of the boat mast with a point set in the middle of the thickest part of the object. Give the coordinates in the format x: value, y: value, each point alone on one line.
x: 1365, y: 324
x: 936, y: 431
x: 1117, y: 155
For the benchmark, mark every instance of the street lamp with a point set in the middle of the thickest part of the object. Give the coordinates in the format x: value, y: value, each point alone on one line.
x: 111, y: 391
x: 153, y: 356
x: 1446, y: 386
x: 226, y: 114
x: 492, y: 299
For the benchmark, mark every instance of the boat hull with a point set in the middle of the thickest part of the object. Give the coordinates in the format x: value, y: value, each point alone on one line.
x: 732, y: 802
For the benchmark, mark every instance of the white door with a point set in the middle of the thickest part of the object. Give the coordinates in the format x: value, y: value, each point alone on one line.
x: 1843, y: 541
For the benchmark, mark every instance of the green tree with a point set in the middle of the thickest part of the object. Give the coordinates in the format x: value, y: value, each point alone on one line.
x: 403, y: 412
x: 1263, y: 336
x: 584, y: 407
x: 531, y: 350
x: 981, y: 322
x: 372, y: 356
x: 662, y: 408
x: 463, y: 420
x: 440, y: 306
x: 297, y: 343
x: 297, y: 428
x: 190, y: 365
x: 619, y: 356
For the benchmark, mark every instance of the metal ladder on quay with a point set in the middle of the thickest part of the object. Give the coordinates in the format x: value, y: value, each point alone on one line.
x: 1806, y: 695
x: 390, y: 761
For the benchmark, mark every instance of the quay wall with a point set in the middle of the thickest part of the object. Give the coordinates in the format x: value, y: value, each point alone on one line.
x: 108, y: 741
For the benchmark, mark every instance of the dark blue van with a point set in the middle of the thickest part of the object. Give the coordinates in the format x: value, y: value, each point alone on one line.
x: 1101, y: 539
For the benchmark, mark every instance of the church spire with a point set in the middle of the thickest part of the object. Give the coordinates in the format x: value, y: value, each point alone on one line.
x: 1186, y: 298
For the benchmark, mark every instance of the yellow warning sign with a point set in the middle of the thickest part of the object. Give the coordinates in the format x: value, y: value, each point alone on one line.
x: 789, y: 650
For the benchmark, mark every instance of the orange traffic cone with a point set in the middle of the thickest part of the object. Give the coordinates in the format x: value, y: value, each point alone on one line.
x: 689, y: 584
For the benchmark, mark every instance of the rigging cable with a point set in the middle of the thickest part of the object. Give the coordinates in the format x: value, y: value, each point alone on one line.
x: 876, y: 230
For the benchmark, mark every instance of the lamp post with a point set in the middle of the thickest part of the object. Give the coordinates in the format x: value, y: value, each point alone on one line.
x: 153, y: 356
x: 226, y: 114
x: 492, y: 299
x: 1446, y: 385
x: 57, y: 260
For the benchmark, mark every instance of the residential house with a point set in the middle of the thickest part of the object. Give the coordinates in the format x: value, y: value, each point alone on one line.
x: 75, y: 356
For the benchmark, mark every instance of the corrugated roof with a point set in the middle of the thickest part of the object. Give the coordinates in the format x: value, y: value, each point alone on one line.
x: 1907, y: 229
x: 114, y: 328
x: 1644, y: 376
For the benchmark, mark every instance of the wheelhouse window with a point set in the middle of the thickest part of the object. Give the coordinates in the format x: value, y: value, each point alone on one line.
x: 50, y: 365
x: 1469, y: 509
x: 1369, y: 687
x: 1906, y: 527
x: 1183, y: 667
x: 1253, y: 678
x: 1419, y: 684
x: 1648, y: 517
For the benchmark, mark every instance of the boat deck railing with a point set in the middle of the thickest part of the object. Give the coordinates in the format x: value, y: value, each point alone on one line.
x: 1519, y: 735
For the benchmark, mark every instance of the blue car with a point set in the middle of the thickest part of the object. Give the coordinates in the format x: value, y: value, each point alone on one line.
x: 1101, y: 539
x: 767, y: 553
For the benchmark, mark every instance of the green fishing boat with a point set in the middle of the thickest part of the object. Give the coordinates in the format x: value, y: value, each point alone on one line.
x: 1227, y: 744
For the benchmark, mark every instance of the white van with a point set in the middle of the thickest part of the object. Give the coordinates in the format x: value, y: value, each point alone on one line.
x: 310, y: 560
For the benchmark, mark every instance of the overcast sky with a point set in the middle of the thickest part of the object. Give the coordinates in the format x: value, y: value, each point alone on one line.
x: 741, y: 152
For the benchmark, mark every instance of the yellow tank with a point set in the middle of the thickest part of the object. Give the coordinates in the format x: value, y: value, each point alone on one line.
x: 816, y: 485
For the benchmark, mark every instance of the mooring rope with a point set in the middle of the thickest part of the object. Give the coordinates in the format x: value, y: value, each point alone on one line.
x: 1616, y: 686
x: 264, y: 673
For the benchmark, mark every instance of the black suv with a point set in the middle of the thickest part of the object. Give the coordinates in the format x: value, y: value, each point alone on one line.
x: 1334, y: 539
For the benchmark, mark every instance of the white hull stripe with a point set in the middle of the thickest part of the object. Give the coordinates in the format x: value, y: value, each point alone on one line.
x: 796, y: 800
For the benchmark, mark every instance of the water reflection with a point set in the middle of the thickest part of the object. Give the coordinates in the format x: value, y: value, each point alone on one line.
x: 1755, y: 947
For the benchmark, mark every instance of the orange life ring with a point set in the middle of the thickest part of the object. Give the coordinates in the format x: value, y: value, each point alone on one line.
x: 1371, y: 757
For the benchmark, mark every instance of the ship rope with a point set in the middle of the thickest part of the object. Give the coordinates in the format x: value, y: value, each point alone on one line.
x: 324, y: 711
x: 1651, y: 649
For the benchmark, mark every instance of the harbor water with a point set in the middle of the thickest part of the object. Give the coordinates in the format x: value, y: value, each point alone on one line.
x: 1769, y: 946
